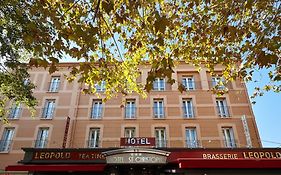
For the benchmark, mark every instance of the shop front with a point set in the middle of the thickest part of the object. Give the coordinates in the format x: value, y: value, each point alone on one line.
x: 149, y: 161
x: 137, y: 156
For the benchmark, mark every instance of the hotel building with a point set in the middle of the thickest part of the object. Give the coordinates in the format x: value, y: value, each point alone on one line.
x: 73, y: 132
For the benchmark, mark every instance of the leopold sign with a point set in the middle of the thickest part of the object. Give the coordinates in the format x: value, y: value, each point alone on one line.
x: 137, y: 141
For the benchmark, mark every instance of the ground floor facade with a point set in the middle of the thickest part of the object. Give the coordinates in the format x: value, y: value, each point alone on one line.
x: 149, y: 161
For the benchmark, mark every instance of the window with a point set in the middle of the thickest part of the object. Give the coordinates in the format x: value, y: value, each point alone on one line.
x: 48, y: 109
x: 26, y: 81
x: 191, y: 138
x: 130, y: 132
x: 54, y: 84
x: 96, y: 109
x: 218, y: 82
x: 159, y: 84
x: 42, y: 138
x: 187, y: 108
x: 222, y: 108
x: 15, y: 112
x: 100, y: 87
x: 160, y: 134
x: 6, y: 139
x: 188, y: 83
x: 130, y: 110
x: 229, y: 139
x: 158, y: 108
x: 94, y: 138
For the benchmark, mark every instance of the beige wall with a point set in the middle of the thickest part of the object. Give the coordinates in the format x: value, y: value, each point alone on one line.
x: 70, y: 102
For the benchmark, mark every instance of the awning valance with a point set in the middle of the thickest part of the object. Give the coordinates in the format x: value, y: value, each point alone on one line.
x: 56, y: 168
x: 230, y: 163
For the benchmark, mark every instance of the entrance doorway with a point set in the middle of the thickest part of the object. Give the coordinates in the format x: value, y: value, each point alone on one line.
x: 135, y: 170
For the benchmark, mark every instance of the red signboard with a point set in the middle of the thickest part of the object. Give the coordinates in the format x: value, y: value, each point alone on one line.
x: 137, y: 141
x: 65, y: 132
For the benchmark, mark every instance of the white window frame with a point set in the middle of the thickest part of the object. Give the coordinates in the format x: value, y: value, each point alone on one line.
x: 15, y: 112
x: 6, y: 139
x: 54, y: 84
x: 97, y: 109
x: 191, y: 137
x: 129, y: 132
x: 26, y: 81
x: 188, y: 82
x: 188, y: 111
x: 158, y: 108
x: 216, y: 81
x: 222, y: 108
x: 160, y: 137
x: 159, y: 84
x: 42, y: 137
x: 100, y: 87
x: 94, y: 138
x: 229, y: 138
x: 130, y: 109
x: 49, y: 109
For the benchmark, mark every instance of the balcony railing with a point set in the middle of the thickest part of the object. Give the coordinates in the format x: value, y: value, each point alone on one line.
x: 41, y: 143
x: 193, y: 143
x: 93, y: 143
x: 5, y: 145
x: 223, y: 111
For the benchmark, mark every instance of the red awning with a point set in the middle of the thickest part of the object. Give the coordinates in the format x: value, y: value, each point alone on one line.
x: 57, y: 168
x: 229, y: 163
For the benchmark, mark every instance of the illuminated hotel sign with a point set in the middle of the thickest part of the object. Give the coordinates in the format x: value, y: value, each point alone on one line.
x: 137, y: 141
x: 136, y: 156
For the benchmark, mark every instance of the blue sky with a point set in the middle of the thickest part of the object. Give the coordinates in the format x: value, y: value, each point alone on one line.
x: 267, y: 111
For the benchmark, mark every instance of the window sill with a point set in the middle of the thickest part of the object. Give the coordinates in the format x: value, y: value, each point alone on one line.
x: 159, y: 118
x: 13, y: 118
x: 95, y: 118
x: 226, y: 117
x: 5, y: 152
x: 46, y: 118
x: 130, y: 118
x: 52, y: 92
x: 189, y: 118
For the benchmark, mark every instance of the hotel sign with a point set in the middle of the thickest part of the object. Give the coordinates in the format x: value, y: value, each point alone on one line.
x: 136, y: 156
x: 137, y: 141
